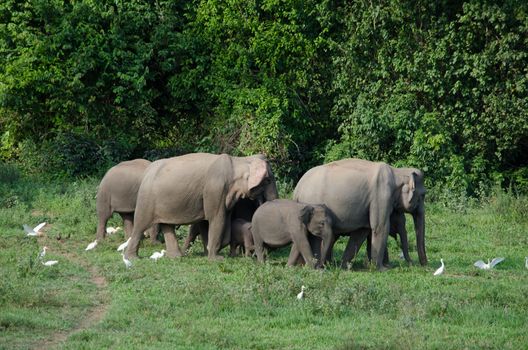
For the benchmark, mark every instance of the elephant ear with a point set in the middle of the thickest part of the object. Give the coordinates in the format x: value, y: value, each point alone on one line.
x: 306, y: 214
x: 258, y: 171
x: 410, y: 186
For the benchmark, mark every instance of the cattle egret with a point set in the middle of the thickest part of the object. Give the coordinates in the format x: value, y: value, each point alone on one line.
x: 526, y: 262
x: 33, y: 231
x: 111, y: 230
x: 157, y: 255
x: 42, y: 253
x: 482, y: 265
x: 127, y: 262
x: 441, y: 269
x: 91, y: 245
x: 124, y: 245
x: 401, y: 255
x: 301, y: 294
x: 50, y: 263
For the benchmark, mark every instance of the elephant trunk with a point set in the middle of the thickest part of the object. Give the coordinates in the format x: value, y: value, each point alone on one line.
x: 270, y: 192
x: 326, y: 251
x: 419, y: 226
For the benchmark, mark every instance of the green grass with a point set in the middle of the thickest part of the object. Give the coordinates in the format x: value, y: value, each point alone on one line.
x: 191, y: 303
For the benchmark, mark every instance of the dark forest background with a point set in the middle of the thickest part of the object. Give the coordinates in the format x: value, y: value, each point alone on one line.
x: 439, y: 85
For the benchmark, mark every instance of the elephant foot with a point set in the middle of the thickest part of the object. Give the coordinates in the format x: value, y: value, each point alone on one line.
x: 174, y: 254
x: 155, y: 242
x: 383, y: 268
x: 216, y: 257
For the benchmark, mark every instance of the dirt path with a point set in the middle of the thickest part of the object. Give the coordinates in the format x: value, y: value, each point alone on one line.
x: 94, y: 315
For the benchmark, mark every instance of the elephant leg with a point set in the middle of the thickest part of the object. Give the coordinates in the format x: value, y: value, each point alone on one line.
x: 226, y: 235
x: 295, y: 255
x: 405, y: 248
x: 398, y: 226
x: 173, y: 250
x: 304, y: 248
x: 135, y: 238
x: 386, y: 257
x: 103, y: 217
x: 233, y: 249
x: 128, y: 223
x: 191, y: 237
x: 330, y: 255
x: 259, y: 247
x: 248, y: 244
x: 354, y: 243
x: 369, y: 254
x: 379, y: 244
x: 315, y: 245
x: 153, y: 234
x: 216, y: 235
x: 381, y: 209
x: 369, y: 247
x: 205, y: 241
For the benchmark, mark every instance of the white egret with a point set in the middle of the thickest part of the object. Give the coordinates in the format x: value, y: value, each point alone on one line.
x: 35, y: 231
x: 124, y: 245
x: 441, y: 269
x: 91, y: 245
x: 156, y: 255
x: 50, y: 263
x: 301, y: 294
x: 401, y: 255
x: 526, y: 262
x: 42, y: 253
x: 127, y: 262
x: 111, y: 230
x: 482, y: 265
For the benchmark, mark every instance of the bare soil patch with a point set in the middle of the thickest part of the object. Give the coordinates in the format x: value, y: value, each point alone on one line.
x: 95, y: 314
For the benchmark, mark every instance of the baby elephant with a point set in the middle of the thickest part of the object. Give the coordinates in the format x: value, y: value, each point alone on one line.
x: 241, y: 236
x: 281, y: 221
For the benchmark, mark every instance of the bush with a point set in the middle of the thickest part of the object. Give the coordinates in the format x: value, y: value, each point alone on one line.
x: 9, y: 174
x: 71, y: 155
x: 438, y: 85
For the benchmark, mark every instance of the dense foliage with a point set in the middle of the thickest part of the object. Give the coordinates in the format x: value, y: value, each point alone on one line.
x: 441, y: 85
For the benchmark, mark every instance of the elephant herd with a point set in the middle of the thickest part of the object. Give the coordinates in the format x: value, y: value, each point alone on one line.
x: 234, y: 201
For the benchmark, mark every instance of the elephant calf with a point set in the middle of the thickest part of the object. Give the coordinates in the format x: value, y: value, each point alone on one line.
x: 240, y: 236
x: 281, y: 222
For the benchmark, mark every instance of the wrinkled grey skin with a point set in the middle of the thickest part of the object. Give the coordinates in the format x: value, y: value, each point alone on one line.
x: 282, y: 221
x: 244, y: 209
x: 363, y: 195
x: 117, y: 193
x: 195, y: 187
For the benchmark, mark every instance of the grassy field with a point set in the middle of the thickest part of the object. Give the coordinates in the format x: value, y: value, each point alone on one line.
x: 91, y: 301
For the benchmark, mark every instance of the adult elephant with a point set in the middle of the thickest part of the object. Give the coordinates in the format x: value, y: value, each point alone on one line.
x: 363, y: 195
x: 117, y: 193
x: 196, y: 187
